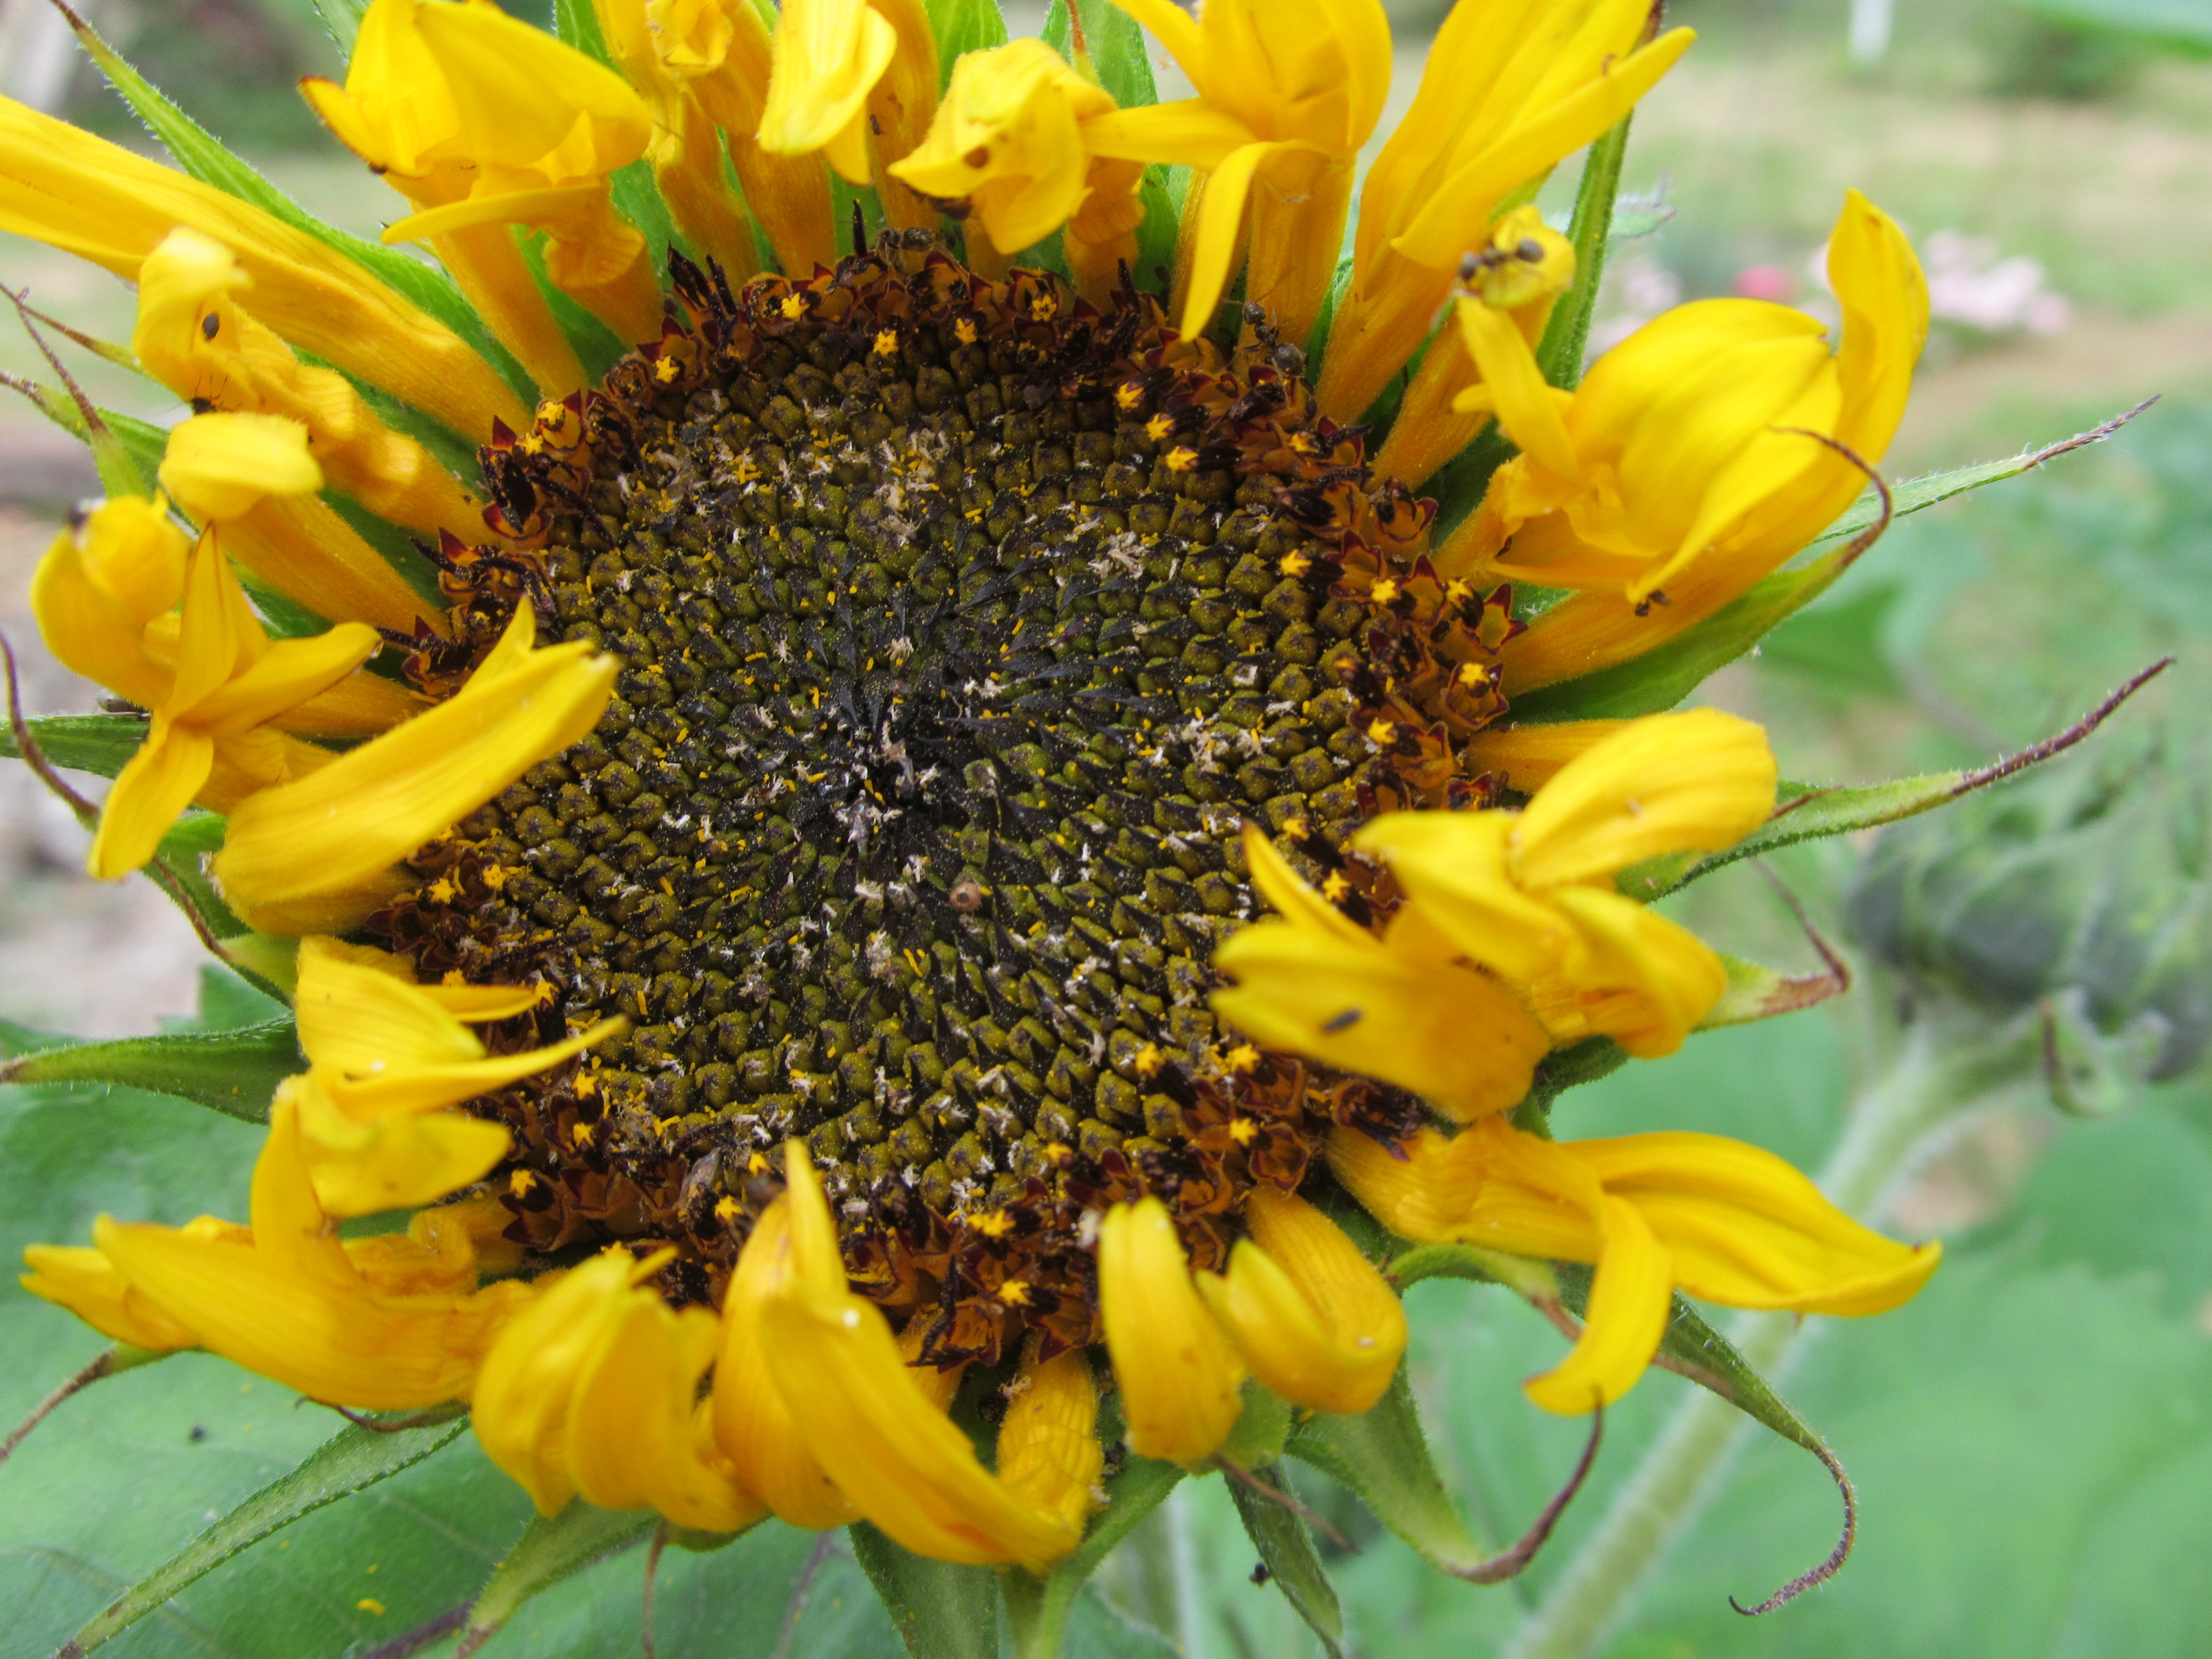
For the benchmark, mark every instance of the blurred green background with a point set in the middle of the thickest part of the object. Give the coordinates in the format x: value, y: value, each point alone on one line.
x: 2032, y: 1437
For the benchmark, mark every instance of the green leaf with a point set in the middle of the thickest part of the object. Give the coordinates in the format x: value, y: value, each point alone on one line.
x: 963, y: 27
x: 1287, y: 1548
x: 1260, y: 1430
x: 1567, y: 335
x: 235, y: 1072
x: 1382, y: 1457
x: 203, y: 156
x: 100, y: 743
x: 351, y: 1460
x: 550, y: 1550
x: 943, y: 1610
x: 1039, y: 1609
x: 1916, y: 493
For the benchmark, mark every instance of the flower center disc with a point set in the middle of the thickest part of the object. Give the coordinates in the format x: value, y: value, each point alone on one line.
x: 961, y: 626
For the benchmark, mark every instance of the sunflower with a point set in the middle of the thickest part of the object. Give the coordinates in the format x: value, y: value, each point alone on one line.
x: 878, y: 797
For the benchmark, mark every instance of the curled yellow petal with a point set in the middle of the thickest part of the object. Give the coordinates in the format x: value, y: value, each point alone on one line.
x: 1311, y: 1316
x: 1179, y: 1373
x: 752, y: 1426
x: 521, y: 1405
x: 876, y: 1430
x: 828, y: 55
x: 293, y: 1306
x: 345, y: 825
x: 92, y: 1287
x: 1628, y: 1300
x: 1049, y: 1451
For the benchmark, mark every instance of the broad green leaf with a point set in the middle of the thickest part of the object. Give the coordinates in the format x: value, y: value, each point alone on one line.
x: 1287, y: 1549
x: 1039, y: 1609
x: 1567, y: 335
x: 203, y: 156
x: 943, y: 1610
x: 351, y: 1460
x: 1382, y: 1457
x: 550, y: 1550
x: 963, y: 27
x: 234, y: 1072
x: 100, y: 743
x: 1564, y: 1069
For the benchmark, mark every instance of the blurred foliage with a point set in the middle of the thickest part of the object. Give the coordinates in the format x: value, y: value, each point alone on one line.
x: 233, y: 65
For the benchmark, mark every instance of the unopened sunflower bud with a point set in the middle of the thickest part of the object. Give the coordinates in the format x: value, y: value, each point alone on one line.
x: 2084, y: 890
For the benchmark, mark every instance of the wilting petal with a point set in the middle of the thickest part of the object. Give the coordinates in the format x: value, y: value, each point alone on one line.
x: 92, y: 1287
x: 523, y: 1397
x: 1179, y: 1373
x: 828, y: 55
x: 293, y: 1307
x: 1529, y: 757
x: 367, y: 809
x: 1695, y: 782
x: 1654, y: 979
x: 1454, y: 867
x: 1048, y: 1452
x: 752, y: 1426
x: 1629, y: 1301
x: 1309, y: 1314
x: 393, y: 1163
x: 153, y: 789
x: 856, y: 1403
x: 1746, y: 1229
x: 1446, y: 1032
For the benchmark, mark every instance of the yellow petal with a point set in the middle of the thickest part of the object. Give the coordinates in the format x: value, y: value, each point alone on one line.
x: 1629, y: 1301
x: 1656, y: 979
x: 1048, y: 1452
x: 151, y: 791
x: 1529, y: 410
x: 1308, y: 1313
x: 343, y: 826
x: 530, y: 102
x: 632, y: 1436
x: 293, y: 1308
x: 92, y: 610
x: 1453, y: 867
x: 221, y: 466
x: 91, y: 1286
x: 873, y: 1427
x: 1213, y: 255
x: 361, y: 1018
x: 752, y: 1426
x: 1529, y: 757
x: 1885, y: 299
x: 527, y: 1387
x: 1441, y: 1031
x: 828, y: 55
x: 1282, y: 887
x: 1746, y: 1229
x: 101, y: 202
x: 416, y: 1088
x: 1695, y: 782
x: 395, y: 1163
x: 1179, y: 1373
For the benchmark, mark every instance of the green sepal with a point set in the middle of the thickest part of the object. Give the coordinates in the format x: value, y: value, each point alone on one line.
x: 1756, y: 992
x: 341, y: 19
x: 1566, y: 334
x: 234, y: 1072
x: 127, y: 452
x: 1564, y: 1069
x: 1382, y: 1457
x: 943, y: 1610
x: 1662, y: 677
x: 1261, y: 1429
x: 351, y: 1460
x: 961, y: 26
x: 549, y: 1550
x: 1118, y: 61
x: 203, y: 156
x: 394, y: 545
x: 100, y: 743
x: 1038, y: 1609
x: 1287, y: 1549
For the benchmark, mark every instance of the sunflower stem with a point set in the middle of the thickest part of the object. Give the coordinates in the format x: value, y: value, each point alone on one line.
x: 1882, y: 1140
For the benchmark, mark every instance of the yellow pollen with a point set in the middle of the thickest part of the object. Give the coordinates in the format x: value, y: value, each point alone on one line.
x: 587, y: 1085
x: 1182, y: 458
x: 1243, y: 1058
x: 1381, y: 733
x: 793, y: 307
x: 1334, y: 887
x: 1014, y: 1293
x: 666, y: 370
x: 726, y: 1209
x: 1242, y: 1130
x: 1149, y: 1060
x: 887, y: 343
x: 1159, y: 427
x: 443, y: 891
x: 994, y: 1224
x: 963, y: 330
x: 1294, y: 564
x: 521, y: 1183
x: 1129, y: 395
x: 1385, y: 590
